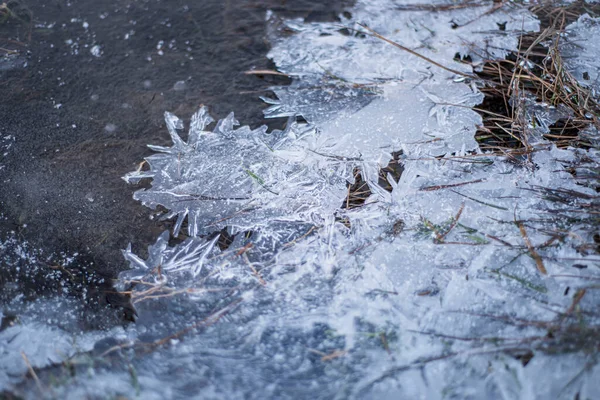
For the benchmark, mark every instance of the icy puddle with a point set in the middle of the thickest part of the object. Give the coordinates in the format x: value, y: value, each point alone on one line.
x: 369, y: 250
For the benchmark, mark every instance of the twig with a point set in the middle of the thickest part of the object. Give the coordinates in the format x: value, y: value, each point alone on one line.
x: 414, y: 53
x: 244, y: 249
x: 334, y: 355
x: 265, y: 72
x: 293, y: 242
x: 206, y: 322
x: 576, y: 300
x: 440, y: 236
x: 254, y: 271
x: 328, y: 357
x: 32, y: 373
x: 438, y: 187
x: 495, y: 7
x: 532, y: 252
x: 479, y: 201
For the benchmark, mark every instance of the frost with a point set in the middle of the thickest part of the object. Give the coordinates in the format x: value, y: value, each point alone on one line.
x: 40, y: 344
x: 439, y: 268
x: 189, y: 256
x: 179, y: 86
x: 342, y: 67
x: 237, y: 178
x: 580, y: 51
x: 457, y: 278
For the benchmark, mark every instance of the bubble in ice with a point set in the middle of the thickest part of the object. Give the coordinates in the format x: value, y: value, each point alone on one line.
x: 180, y: 86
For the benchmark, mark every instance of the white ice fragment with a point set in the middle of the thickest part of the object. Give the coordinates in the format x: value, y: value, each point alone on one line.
x: 188, y: 257
x: 237, y: 177
x: 96, y: 50
x: 37, y: 343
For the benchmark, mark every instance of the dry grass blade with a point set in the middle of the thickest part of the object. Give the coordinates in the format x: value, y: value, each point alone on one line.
x: 334, y: 355
x: 265, y: 72
x: 206, y: 322
x: 293, y: 242
x: 414, y: 53
x: 33, y: 374
x: 538, y: 260
x: 244, y: 249
x: 495, y: 7
x: 439, y: 187
x: 253, y: 269
x: 328, y: 357
x: 440, y: 236
x: 576, y: 300
x: 212, y: 319
x: 535, y: 75
x: 441, y: 7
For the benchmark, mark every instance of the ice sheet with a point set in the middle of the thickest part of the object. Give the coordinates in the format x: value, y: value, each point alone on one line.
x: 439, y: 288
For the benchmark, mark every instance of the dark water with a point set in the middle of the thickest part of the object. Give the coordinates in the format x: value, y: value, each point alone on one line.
x: 81, y: 116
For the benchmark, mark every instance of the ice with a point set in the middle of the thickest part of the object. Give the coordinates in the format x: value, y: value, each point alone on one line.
x: 459, y: 280
x: 580, y: 52
x: 6, y: 142
x: 96, y: 51
x: 344, y: 59
x: 20, y: 345
x: 189, y: 256
x: 179, y: 85
x: 238, y: 178
x: 317, y: 101
x: 439, y: 265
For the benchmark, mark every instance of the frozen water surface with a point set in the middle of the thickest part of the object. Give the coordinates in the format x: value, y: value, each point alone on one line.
x: 6, y: 142
x: 430, y: 290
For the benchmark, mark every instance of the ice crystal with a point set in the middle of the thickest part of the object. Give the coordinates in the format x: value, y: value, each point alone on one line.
x: 342, y: 66
x: 189, y: 256
x: 237, y: 178
x: 443, y: 284
x: 431, y: 265
x: 580, y: 51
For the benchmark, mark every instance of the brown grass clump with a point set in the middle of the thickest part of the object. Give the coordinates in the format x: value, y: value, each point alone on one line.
x: 358, y: 192
x: 536, y: 75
